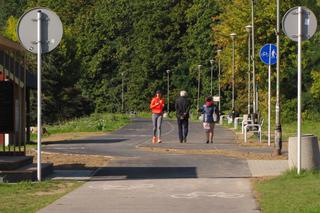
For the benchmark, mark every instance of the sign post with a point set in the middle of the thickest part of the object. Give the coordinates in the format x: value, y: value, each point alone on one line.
x: 299, y: 24
x: 268, y: 55
x: 39, y: 31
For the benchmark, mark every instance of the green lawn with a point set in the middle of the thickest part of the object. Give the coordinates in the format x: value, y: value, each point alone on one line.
x: 28, y: 197
x: 290, y: 193
x: 103, y: 122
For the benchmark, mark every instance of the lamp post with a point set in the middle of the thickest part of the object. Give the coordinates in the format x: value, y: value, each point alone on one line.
x: 233, y: 35
x: 211, y: 62
x: 253, y: 59
x: 168, y: 90
x: 278, y: 130
x: 122, y: 92
x: 249, y: 28
x: 219, y: 65
x: 198, y: 98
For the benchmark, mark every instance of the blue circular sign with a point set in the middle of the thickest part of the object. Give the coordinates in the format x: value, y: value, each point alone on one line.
x: 268, y: 54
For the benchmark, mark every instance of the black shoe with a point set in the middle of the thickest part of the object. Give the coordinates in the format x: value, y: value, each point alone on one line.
x: 181, y: 141
x: 211, y: 141
x: 185, y: 140
x: 207, y: 142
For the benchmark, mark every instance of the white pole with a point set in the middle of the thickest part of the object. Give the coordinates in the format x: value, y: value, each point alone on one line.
x: 299, y: 89
x: 269, y: 98
x: 249, y: 74
x: 199, y: 76
x: 233, y: 65
x: 39, y: 96
x: 219, y: 84
x: 255, y: 101
x: 278, y: 130
x: 122, y: 94
x: 211, y: 77
x: 168, y: 105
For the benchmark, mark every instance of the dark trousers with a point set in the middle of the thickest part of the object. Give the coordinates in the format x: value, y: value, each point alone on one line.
x: 183, y: 129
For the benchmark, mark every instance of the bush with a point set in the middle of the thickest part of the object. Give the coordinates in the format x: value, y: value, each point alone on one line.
x: 289, y: 111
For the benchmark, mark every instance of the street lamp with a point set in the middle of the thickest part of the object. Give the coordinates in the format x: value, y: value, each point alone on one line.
x: 219, y: 93
x: 278, y: 130
x: 249, y: 28
x: 198, y: 99
x: 122, y: 92
x: 253, y: 59
x: 233, y: 35
x: 168, y: 89
x: 211, y: 62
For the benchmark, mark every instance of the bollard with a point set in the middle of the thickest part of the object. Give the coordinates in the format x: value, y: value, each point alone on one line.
x: 310, y: 156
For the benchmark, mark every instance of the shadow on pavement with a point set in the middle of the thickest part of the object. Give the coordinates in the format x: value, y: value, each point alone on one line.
x: 85, y: 141
x: 115, y: 173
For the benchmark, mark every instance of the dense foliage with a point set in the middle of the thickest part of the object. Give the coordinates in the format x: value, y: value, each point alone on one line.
x: 139, y: 40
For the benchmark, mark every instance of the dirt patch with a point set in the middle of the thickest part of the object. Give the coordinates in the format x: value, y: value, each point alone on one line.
x: 70, y: 136
x: 253, y: 142
x: 227, y: 153
x: 71, y: 161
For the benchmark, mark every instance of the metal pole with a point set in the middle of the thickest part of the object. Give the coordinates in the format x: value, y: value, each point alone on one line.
x: 219, y: 51
x: 39, y: 95
x: 253, y: 61
x: 278, y: 130
x: 233, y: 64
x: 199, y: 67
x: 122, y: 93
x: 168, y: 89
x: 211, y: 61
x: 299, y: 89
x: 269, y: 98
x: 249, y: 68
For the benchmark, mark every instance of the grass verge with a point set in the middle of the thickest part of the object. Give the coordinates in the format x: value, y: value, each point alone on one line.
x: 28, y: 197
x: 104, y: 122
x: 290, y: 193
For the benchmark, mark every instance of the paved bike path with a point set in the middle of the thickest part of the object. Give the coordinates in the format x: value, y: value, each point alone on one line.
x: 140, y: 181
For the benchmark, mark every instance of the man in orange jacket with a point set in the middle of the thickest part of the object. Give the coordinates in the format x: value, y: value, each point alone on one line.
x: 156, y: 106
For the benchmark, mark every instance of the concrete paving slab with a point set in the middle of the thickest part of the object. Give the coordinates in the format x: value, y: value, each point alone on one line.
x: 260, y: 168
x: 220, y: 195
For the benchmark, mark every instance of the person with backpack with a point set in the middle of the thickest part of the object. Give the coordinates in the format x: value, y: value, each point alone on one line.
x: 210, y: 116
x: 156, y: 106
x: 182, y: 106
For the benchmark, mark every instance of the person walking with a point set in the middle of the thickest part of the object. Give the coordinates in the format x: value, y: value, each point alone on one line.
x: 156, y: 106
x: 209, y: 117
x: 182, y: 106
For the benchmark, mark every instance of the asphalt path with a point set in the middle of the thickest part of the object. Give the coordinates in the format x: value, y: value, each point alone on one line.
x: 142, y: 181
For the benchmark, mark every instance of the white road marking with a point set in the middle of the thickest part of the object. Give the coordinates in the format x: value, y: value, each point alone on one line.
x: 66, y: 148
x: 208, y: 194
x: 122, y: 187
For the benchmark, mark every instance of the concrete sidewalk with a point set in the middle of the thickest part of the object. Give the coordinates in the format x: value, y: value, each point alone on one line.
x: 159, y: 196
x: 138, y: 181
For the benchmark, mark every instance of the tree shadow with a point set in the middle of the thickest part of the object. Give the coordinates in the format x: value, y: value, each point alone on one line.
x: 84, y: 141
x: 114, y: 173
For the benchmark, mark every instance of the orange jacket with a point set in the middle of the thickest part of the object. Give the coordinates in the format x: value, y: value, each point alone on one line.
x: 157, y: 105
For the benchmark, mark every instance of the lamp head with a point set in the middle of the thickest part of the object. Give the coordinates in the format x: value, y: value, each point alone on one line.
x: 211, y: 61
x: 233, y: 35
x: 249, y: 28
